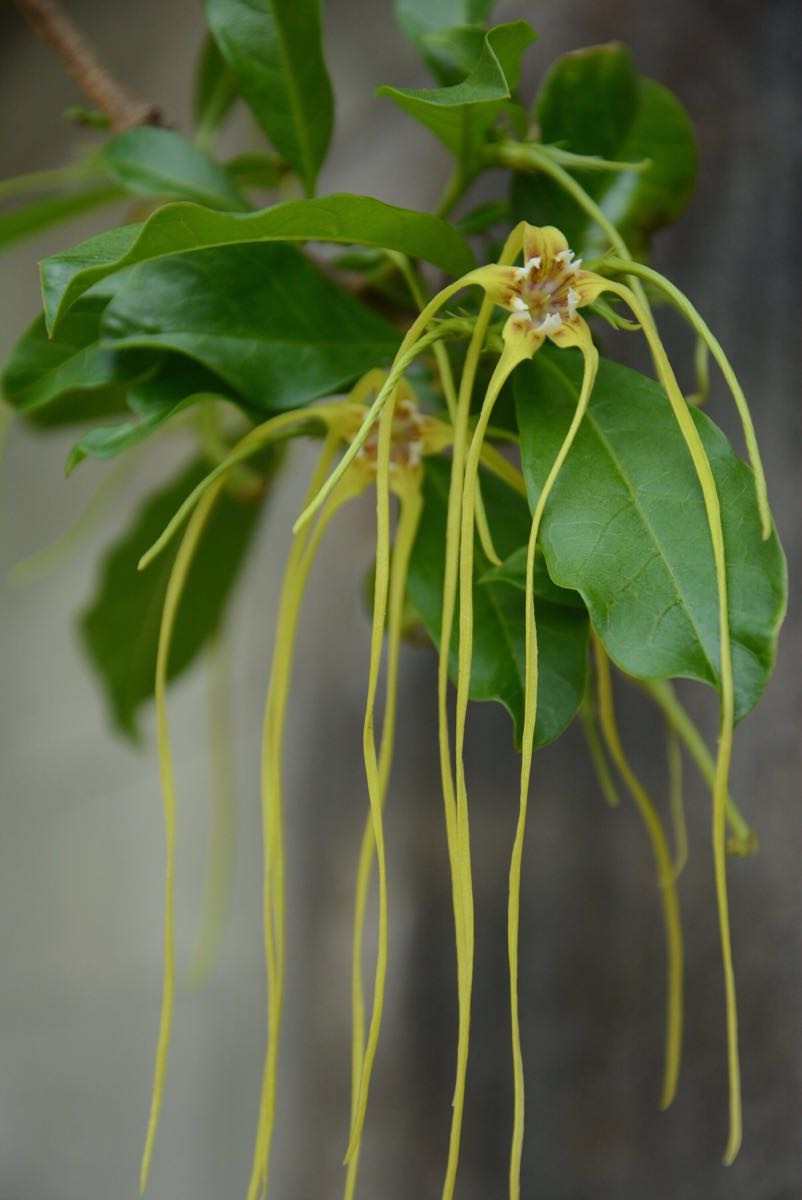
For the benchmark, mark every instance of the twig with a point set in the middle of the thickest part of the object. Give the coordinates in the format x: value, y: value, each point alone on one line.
x: 80, y: 62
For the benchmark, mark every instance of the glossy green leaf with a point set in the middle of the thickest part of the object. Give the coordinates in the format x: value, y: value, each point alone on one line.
x: 180, y: 228
x: 448, y: 35
x: 160, y: 162
x: 513, y: 571
x: 626, y: 527
x: 274, y: 50
x: 594, y: 102
x: 460, y: 115
x: 120, y: 628
x: 41, y: 370
x: 498, y: 657
x: 172, y: 384
x: 32, y: 218
x: 215, y: 90
x: 261, y: 317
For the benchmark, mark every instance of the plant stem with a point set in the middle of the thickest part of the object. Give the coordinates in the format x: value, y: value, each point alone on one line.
x: 698, y: 324
x: 743, y: 840
x: 45, y: 181
x: 58, y: 31
x: 520, y: 156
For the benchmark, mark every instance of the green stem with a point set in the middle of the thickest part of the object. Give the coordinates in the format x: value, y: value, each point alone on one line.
x: 589, y: 718
x: 590, y: 162
x: 40, y: 564
x: 219, y: 874
x: 453, y: 192
x: 251, y: 444
x: 50, y: 180
x: 299, y: 563
x: 519, y: 156
x: 413, y: 345
x: 172, y: 600
x: 676, y: 800
x: 415, y: 286
x: 372, y: 770
x: 411, y: 504
x: 698, y: 324
x: 459, y: 862
x: 665, y: 875
x: 707, y: 483
x: 743, y: 839
x: 591, y: 360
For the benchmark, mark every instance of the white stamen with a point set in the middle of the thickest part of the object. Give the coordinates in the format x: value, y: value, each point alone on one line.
x: 572, y: 300
x: 518, y: 305
x: 534, y: 261
x: 550, y: 323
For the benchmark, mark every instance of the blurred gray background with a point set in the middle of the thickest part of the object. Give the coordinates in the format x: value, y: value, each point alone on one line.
x: 82, y: 850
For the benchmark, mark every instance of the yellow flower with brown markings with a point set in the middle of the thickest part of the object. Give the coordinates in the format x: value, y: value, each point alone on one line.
x: 545, y: 294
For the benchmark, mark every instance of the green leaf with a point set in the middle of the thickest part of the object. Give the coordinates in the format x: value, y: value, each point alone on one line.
x: 121, y: 626
x: 274, y: 50
x: 41, y: 370
x: 37, y: 215
x: 179, y: 228
x: 159, y: 162
x: 262, y: 317
x: 482, y: 218
x: 256, y: 170
x: 74, y: 378
x: 440, y: 32
x: 215, y: 90
x: 172, y: 384
x: 513, y: 571
x: 626, y: 527
x: 87, y: 118
x: 498, y: 650
x: 461, y: 115
x: 594, y: 102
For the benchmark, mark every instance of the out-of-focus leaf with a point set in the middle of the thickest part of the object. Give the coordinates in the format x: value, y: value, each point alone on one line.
x: 40, y: 369
x: 483, y: 217
x: 215, y: 89
x: 180, y: 228
x: 274, y: 50
x: 120, y: 628
x: 31, y: 218
x: 594, y: 102
x: 256, y: 170
x: 447, y: 34
x: 160, y: 162
x: 173, y: 384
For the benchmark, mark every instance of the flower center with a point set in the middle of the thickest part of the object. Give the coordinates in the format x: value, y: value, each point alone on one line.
x: 546, y: 294
x: 406, y: 439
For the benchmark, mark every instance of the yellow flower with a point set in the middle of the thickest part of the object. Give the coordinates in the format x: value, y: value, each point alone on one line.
x: 413, y: 434
x: 545, y: 294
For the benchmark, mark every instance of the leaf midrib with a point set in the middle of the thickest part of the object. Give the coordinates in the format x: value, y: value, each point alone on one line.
x: 297, y: 111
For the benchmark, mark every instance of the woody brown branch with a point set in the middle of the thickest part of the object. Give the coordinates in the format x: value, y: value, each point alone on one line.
x: 57, y: 30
